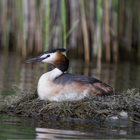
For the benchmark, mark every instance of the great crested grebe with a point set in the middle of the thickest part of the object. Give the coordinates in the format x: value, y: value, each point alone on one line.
x: 59, y: 86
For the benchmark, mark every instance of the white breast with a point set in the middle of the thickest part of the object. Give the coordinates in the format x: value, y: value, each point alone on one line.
x: 47, y: 90
x: 45, y: 86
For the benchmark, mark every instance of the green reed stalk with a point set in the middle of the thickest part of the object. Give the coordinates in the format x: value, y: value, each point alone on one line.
x: 85, y: 31
x: 92, y: 28
x: 129, y: 25
x: 7, y: 35
x: 7, y: 28
x: 115, y: 30
x: 40, y: 11
x: 121, y: 21
x: 4, y: 12
x: 46, y: 28
x: 139, y: 37
x: 71, y: 29
x: 63, y: 20
x: 25, y: 13
x: 107, y: 30
x: 46, y: 24
x: 98, y: 17
x: 32, y: 9
x: 115, y: 5
x: 19, y: 22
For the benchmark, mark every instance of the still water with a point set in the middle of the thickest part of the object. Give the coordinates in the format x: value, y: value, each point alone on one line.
x: 28, y: 128
x: 20, y: 77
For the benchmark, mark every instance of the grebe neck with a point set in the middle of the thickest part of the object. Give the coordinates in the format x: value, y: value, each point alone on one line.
x: 54, y: 73
x: 62, y: 62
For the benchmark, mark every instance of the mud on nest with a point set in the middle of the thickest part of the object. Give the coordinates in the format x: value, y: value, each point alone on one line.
x: 29, y: 105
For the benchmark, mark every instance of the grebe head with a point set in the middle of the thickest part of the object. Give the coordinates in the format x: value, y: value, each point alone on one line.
x: 54, y: 57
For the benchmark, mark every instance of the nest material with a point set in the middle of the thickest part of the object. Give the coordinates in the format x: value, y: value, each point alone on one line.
x: 89, y: 108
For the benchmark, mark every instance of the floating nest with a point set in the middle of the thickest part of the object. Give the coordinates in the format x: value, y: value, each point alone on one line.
x: 29, y: 105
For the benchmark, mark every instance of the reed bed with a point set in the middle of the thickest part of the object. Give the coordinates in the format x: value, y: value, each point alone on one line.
x: 107, y: 29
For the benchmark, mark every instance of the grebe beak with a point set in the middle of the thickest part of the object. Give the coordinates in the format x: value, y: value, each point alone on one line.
x: 36, y: 59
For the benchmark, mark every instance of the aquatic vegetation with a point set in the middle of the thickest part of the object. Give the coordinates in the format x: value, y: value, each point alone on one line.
x: 107, y: 30
x: 118, y: 104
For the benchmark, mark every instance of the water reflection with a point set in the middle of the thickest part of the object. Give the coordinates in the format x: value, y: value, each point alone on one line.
x: 27, y: 128
x: 56, y: 133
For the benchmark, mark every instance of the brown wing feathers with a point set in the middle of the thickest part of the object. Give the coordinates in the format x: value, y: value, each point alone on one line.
x: 94, y: 86
x: 103, y: 88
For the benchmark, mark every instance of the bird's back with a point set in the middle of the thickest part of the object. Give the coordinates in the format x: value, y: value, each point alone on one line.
x: 92, y: 85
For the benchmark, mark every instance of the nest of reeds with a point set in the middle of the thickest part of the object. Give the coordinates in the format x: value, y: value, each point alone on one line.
x: 30, y: 105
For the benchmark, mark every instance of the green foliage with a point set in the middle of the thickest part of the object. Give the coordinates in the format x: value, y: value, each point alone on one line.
x: 71, y: 29
x: 98, y: 11
x: 63, y: 20
x: 19, y: 33
x: 46, y: 25
x: 115, y: 5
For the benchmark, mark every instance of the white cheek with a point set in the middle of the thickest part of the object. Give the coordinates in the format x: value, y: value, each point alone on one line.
x: 50, y: 59
x: 44, y: 55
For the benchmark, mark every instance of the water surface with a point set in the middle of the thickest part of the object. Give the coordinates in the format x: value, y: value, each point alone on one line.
x: 29, y: 128
x: 21, y: 77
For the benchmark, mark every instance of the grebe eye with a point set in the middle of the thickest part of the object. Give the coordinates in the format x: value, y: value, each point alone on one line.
x: 48, y: 55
